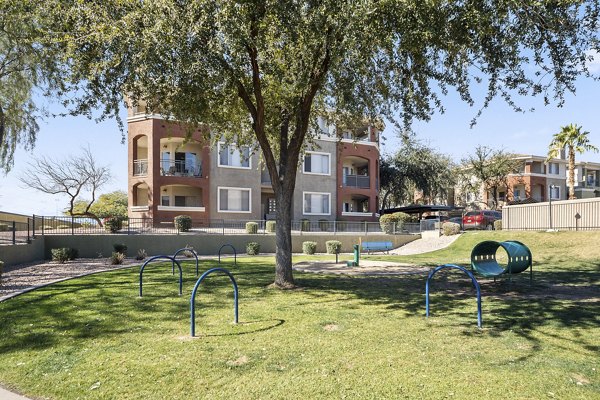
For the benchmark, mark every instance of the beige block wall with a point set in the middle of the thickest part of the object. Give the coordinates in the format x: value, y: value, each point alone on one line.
x: 22, y: 253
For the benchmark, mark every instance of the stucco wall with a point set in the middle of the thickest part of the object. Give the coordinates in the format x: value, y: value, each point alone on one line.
x: 22, y: 253
x: 92, y: 245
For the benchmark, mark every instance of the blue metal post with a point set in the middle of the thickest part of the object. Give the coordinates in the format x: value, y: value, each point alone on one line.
x: 192, y: 300
x: 473, y: 280
x: 163, y: 257
x: 180, y: 251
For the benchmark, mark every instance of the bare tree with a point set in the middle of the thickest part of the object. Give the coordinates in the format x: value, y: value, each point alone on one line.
x: 74, y: 176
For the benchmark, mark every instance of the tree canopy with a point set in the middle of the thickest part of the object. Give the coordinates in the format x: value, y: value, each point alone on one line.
x: 260, y: 72
x: 113, y: 204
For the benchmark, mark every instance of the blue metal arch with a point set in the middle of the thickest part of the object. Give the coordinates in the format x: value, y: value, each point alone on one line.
x: 181, y: 251
x: 475, y: 283
x: 234, y: 253
x: 193, y: 307
x: 163, y: 257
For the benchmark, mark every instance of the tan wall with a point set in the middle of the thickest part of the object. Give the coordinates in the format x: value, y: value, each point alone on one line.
x: 537, y: 216
x: 91, y: 245
x: 22, y: 253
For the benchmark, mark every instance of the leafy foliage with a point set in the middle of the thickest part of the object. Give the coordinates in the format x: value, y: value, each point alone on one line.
x: 572, y: 138
x: 64, y: 254
x: 252, y: 248
x: 113, y: 204
x: 393, y: 223
x: 450, y: 228
x: 415, y: 166
x: 251, y: 228
x: 309, y: 247
x: 183, y: 223
x: 333, y: 246
x: 113, y: 224
x: 487, y: 168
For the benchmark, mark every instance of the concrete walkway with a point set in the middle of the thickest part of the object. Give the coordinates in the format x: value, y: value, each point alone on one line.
x: 6, y: 395
x: 425, y: 245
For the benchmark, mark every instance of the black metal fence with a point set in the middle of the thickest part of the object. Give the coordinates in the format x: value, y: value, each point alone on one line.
x: 13, y: 232
x: 64, y: 225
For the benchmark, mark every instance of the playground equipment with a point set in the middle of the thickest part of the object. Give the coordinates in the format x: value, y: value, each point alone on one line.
x: 475, y: 283
x: 163, y: 257
x: 356, y: 257
x: 234, y: 253
x: 181, y: 251
x: 483, y: 259
x: 192, y: 300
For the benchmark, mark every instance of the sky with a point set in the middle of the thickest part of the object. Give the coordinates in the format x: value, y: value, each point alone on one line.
x: 499, y: 127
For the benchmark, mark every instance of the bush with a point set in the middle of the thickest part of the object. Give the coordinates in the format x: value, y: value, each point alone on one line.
x: 450, y: 228
x: 251, y: 228
x: 333, y: 246
x: 252, y: 248
x: 305, y: 225
x: 113, y: 224
x: 183, y: 223
x: 64, y: 254
x: 309, y: 247
x: 392, y: 223
x: 141, y: 255
x: 271, y: 225
x: 120, y: 248
x: 117, y: 258
x: 498, y: 224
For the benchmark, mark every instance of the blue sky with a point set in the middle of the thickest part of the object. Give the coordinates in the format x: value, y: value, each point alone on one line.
x: 499, y: 127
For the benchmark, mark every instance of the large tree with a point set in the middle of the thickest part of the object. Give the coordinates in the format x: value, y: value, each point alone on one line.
x: 113, y: 204
x: 488, y: 169
x: 75, y: 176
x: 574, y: 140
x: 260, y: 72
x: 415, y: 166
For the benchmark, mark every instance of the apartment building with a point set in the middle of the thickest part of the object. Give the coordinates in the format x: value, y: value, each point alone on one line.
x: 537, y: 180
x: 587, y: 180
x: 169, y: 176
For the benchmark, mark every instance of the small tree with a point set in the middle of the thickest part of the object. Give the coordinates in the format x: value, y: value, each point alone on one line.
x: 74, y: 176
x: 574, y: 140
x: 113, y: 204
x: 488, y: 168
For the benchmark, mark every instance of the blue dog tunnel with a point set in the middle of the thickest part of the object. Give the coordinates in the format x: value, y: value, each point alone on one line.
x: 484, y: 258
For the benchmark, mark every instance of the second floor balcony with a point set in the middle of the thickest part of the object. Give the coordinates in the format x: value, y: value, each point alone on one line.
x: 140, y: 167
x: 180, y: 168
x: 357, y: 181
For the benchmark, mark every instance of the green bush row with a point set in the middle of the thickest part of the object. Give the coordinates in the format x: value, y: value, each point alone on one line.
x: 393, y: 223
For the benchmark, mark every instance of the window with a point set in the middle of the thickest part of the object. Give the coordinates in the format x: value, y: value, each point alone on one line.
x: 517, y: 194
x: 553, y: 168
x: 232, y: 157
x: 234, y: 199
x: 591, y: 179
x: 555, y: 192
x: 316, y: 163
x: 317, y: 203
x: 164, y: 201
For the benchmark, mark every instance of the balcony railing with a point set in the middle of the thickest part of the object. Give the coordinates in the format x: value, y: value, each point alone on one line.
x: 140, y: 167
x: 358, y: 181
x: 180, y: 168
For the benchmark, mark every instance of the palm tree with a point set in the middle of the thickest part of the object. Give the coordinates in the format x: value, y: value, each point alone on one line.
x: 572, y: 138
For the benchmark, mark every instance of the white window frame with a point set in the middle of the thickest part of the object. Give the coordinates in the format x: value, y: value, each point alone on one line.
x: 557, y: 168
x: 320, y: 153
x: 238, y: 150
x: 557, y: 188
x: 311, y: 213
x: 234, y: 188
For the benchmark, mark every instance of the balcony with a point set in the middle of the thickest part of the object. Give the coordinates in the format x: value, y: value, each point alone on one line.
x: 181, y: 208
x: 180, y: 168
x: 356, y: 214
x: 357, y: 181
x: 140, y: 167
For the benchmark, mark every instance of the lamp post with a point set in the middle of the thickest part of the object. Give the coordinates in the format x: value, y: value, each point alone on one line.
x: 550, y: 204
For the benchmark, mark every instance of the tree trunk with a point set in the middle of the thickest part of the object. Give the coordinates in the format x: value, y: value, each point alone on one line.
x: 571, y: 180
x: 283, y: 240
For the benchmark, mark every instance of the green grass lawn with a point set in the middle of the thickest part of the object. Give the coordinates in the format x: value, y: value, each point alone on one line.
x: 335, y: 337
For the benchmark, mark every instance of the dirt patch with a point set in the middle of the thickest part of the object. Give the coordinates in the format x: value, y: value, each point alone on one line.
x: 367, y: 268
x: 331, y: 327
x: 239, y: 361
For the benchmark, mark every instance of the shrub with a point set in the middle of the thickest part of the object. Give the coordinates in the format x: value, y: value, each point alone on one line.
x: 333, y: 246
x: 391, y: 223
x: 498, y: 224
x: 324, y: 225
x: 141, y: 254
x: 120, y: 248
x: 271, y: 225
x: 64, y: 254
x: 305, y: 225
x: 252, y: 248
x: 117, y: 258
x: 113, y: 224
x: 183, y: 223
x: 251, y: 228
x: 309, y: 247
x: 450, y: 228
